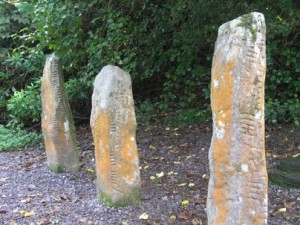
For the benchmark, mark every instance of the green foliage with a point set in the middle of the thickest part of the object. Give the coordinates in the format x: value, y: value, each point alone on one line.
x: 17, y: 139
x: 24, y: 106
x: 166, y: 46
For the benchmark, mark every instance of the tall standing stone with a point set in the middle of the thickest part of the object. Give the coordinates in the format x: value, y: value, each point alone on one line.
x: 57, y: 122
x: 113, y: 126
x: 237, y: 190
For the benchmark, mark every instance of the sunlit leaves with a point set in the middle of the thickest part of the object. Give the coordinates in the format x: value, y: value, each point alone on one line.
x: 25, y: 7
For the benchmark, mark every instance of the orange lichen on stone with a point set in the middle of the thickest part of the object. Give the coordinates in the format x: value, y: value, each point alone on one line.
x: 237, y: 190
x: 128, y: 154
x: 113, y: 125
x: 222, y: 109
x: 101, y: 139
x: 57, y: 122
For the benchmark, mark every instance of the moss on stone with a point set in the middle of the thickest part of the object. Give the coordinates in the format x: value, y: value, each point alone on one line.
x: 56, y: 168
x: 133, y: 198
x: 246, y: 22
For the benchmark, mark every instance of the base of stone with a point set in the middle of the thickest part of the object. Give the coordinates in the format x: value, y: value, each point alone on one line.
x: 56, y: 168
x: 133, y: 198
x: 287, y: 174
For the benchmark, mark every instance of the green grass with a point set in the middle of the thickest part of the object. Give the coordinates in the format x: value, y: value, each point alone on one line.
x: 17, y: 139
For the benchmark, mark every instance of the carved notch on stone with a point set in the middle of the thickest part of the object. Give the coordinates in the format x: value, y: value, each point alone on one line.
x: 237, y: 190
x: 113, y: 126
x: 57, y: 122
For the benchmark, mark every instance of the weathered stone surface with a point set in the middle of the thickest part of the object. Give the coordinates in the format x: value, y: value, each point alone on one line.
x: 237, y: 190
x: 113, y: 126
x: 57, y: 122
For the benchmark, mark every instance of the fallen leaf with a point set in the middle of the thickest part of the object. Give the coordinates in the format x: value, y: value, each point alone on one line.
x: 152, y: 177
x: 26, y: 213
x: 173, y: 217
x: 282, y: 210
x: 190, y: 173
x: 185, y: 215
x: 204, y: 176
x: 181, y: 185
x: 184, y: 202
x: 26, y: 200
x: 176, y: 162
x: 191, y: 184
x: 170, y: 173
x: 29, y: 214
x: 2, y: 211
x: 160, y: 174
x: 83, y: 220
x: 196, y: 221
x: 146, y: 167
x: 144, y: 216
x: 151, y: 147
x: 189, y: 157
x: 90, y: 170
x: 22, y: 212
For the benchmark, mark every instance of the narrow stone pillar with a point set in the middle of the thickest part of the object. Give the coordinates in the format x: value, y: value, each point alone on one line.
x: 237, y: 190
x: 57, y: 122
x: 113, y: 126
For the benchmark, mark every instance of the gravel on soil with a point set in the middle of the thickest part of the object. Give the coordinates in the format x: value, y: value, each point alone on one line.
x: 31, y: 194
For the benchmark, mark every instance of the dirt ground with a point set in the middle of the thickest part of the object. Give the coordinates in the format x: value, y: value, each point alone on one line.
x: 31, y: 194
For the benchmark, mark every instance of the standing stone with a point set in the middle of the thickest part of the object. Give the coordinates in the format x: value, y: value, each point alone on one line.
x: 113, y: 126
x: 57, y: 122
x: 237, y: 189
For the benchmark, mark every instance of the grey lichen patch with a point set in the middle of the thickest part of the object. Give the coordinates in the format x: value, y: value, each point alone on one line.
x: 247, y: 22
x: 133, y: 198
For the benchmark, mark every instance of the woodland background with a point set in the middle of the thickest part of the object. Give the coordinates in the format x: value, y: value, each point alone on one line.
x: 166, y: 46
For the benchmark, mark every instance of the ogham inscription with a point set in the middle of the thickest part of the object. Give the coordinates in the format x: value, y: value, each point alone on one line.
x: 237, y: 190
x: 57, y: 122
x: 113, y: 125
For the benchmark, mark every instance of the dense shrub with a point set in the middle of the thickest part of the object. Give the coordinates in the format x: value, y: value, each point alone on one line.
x: 167, y: 47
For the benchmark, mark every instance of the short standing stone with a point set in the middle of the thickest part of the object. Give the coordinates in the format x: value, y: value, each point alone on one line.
x: 237, y: 190
x: 113, y: 125
x: 57, y: 122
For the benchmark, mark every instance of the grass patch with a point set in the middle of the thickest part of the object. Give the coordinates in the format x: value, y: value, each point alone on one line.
x: 16, y: 139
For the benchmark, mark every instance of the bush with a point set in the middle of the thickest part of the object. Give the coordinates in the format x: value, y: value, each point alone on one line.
x: 24, y: 106
x: 17, y: 139
x: 166, y: 46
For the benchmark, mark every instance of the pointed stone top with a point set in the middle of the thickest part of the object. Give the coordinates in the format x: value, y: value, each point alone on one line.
x: 253, y: 22
x: 52, y: 57
x: 110, y: 79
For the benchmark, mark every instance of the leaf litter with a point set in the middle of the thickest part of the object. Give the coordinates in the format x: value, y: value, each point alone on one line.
x: 176, y: 196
